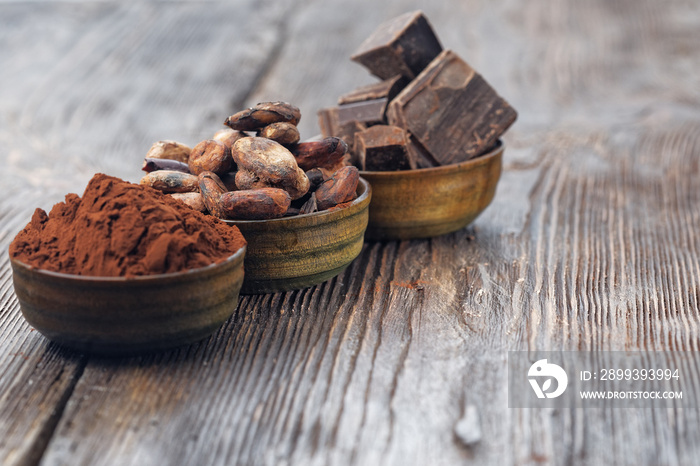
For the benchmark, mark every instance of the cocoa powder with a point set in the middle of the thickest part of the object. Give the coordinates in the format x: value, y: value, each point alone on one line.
x: 122, y: 229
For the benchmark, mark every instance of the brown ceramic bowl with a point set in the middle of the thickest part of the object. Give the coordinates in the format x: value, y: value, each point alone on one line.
x: 118, y: 316
x: 430, y: 202
x: 305, y: 250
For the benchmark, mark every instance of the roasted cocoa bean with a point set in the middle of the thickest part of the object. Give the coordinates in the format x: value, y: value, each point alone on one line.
x: 338, y: 189
x: 228, y: 136
x: 255, y: 204
x: 151, y: 165
x: 315, y: 177
x: 211, y: 187
x: 328, y: 153
x: 310, y: 206
x: 263, y: 114
x: 210, y: 155
x: 282, y: 132
x: 264, y: 163
x: 170, y: 181
x: 229, y: 180
x: 169, y: 150
x: 193, y: 200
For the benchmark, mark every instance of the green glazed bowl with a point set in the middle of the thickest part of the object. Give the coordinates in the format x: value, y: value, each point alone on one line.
x: 120, y: 316
x: 297, y: 252
x: 429, y: 202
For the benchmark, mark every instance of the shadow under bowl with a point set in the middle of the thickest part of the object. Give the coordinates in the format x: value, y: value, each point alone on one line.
x: 121, y: 316
x: 304, y: 250
x: 427, y: 202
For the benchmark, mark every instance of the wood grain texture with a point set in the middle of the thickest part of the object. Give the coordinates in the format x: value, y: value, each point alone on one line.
x: 589, y: 244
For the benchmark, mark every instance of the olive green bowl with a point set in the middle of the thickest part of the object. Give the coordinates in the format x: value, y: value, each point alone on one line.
x: 304, y: 250
x: 120, y: 316
x: 430, y: 202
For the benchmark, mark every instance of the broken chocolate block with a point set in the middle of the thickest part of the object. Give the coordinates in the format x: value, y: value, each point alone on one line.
x: 404, y: 45
x: 327, y: 121
x: 369, y: 112
x: 387, y: 89
x: 451, y: 110
x: 383, y: 148
x: 419, y: 155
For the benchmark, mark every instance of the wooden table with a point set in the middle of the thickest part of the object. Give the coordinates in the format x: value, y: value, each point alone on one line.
x: 590, y: 244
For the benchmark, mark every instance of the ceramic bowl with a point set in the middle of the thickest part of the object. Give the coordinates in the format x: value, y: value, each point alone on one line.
x: 304, y: 250
x: 429, y: 202
x: 119, y: 316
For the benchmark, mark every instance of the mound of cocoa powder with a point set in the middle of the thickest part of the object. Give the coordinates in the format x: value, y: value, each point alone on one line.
x: 122, y: 229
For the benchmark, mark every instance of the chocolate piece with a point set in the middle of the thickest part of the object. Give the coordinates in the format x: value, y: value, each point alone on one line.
x: 387, y: 89
x: 328, y: 122
x: 451, y: 110
x: 404, y: 45
x: 369, y: 112
x: 420, y: 155
x: 347, y: 133
x: 383, y: 148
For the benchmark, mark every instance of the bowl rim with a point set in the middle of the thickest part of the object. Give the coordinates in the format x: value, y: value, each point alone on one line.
x: 136, y: 278
x: 483, y: 158
x: 355, y: 202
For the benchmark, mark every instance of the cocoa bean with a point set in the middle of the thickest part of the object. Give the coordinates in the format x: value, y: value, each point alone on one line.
x: 310, y: 206
x: 192, y: 200
x: 284, y: 133
x: 170, y: 181
x: 316, y: 177
x: 229, y: 180
x: 169, y: 150
x: 328, y: 153
x: 255, y: 204
x: 264, y: 163
x: 338, y: 189
x: 211, y: 187
x: 151, y: 165
x: 262, y: 115
x: 228, y: 136
x: 210, y: 155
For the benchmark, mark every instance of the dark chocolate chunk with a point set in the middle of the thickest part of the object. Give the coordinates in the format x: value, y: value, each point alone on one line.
x: 368, y: 112
x: 451, y: 110
x: 383, y: 148
x: 419, y: 155
x: 387, y: 89
x: 404, y: 45
x: 328, y: 122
